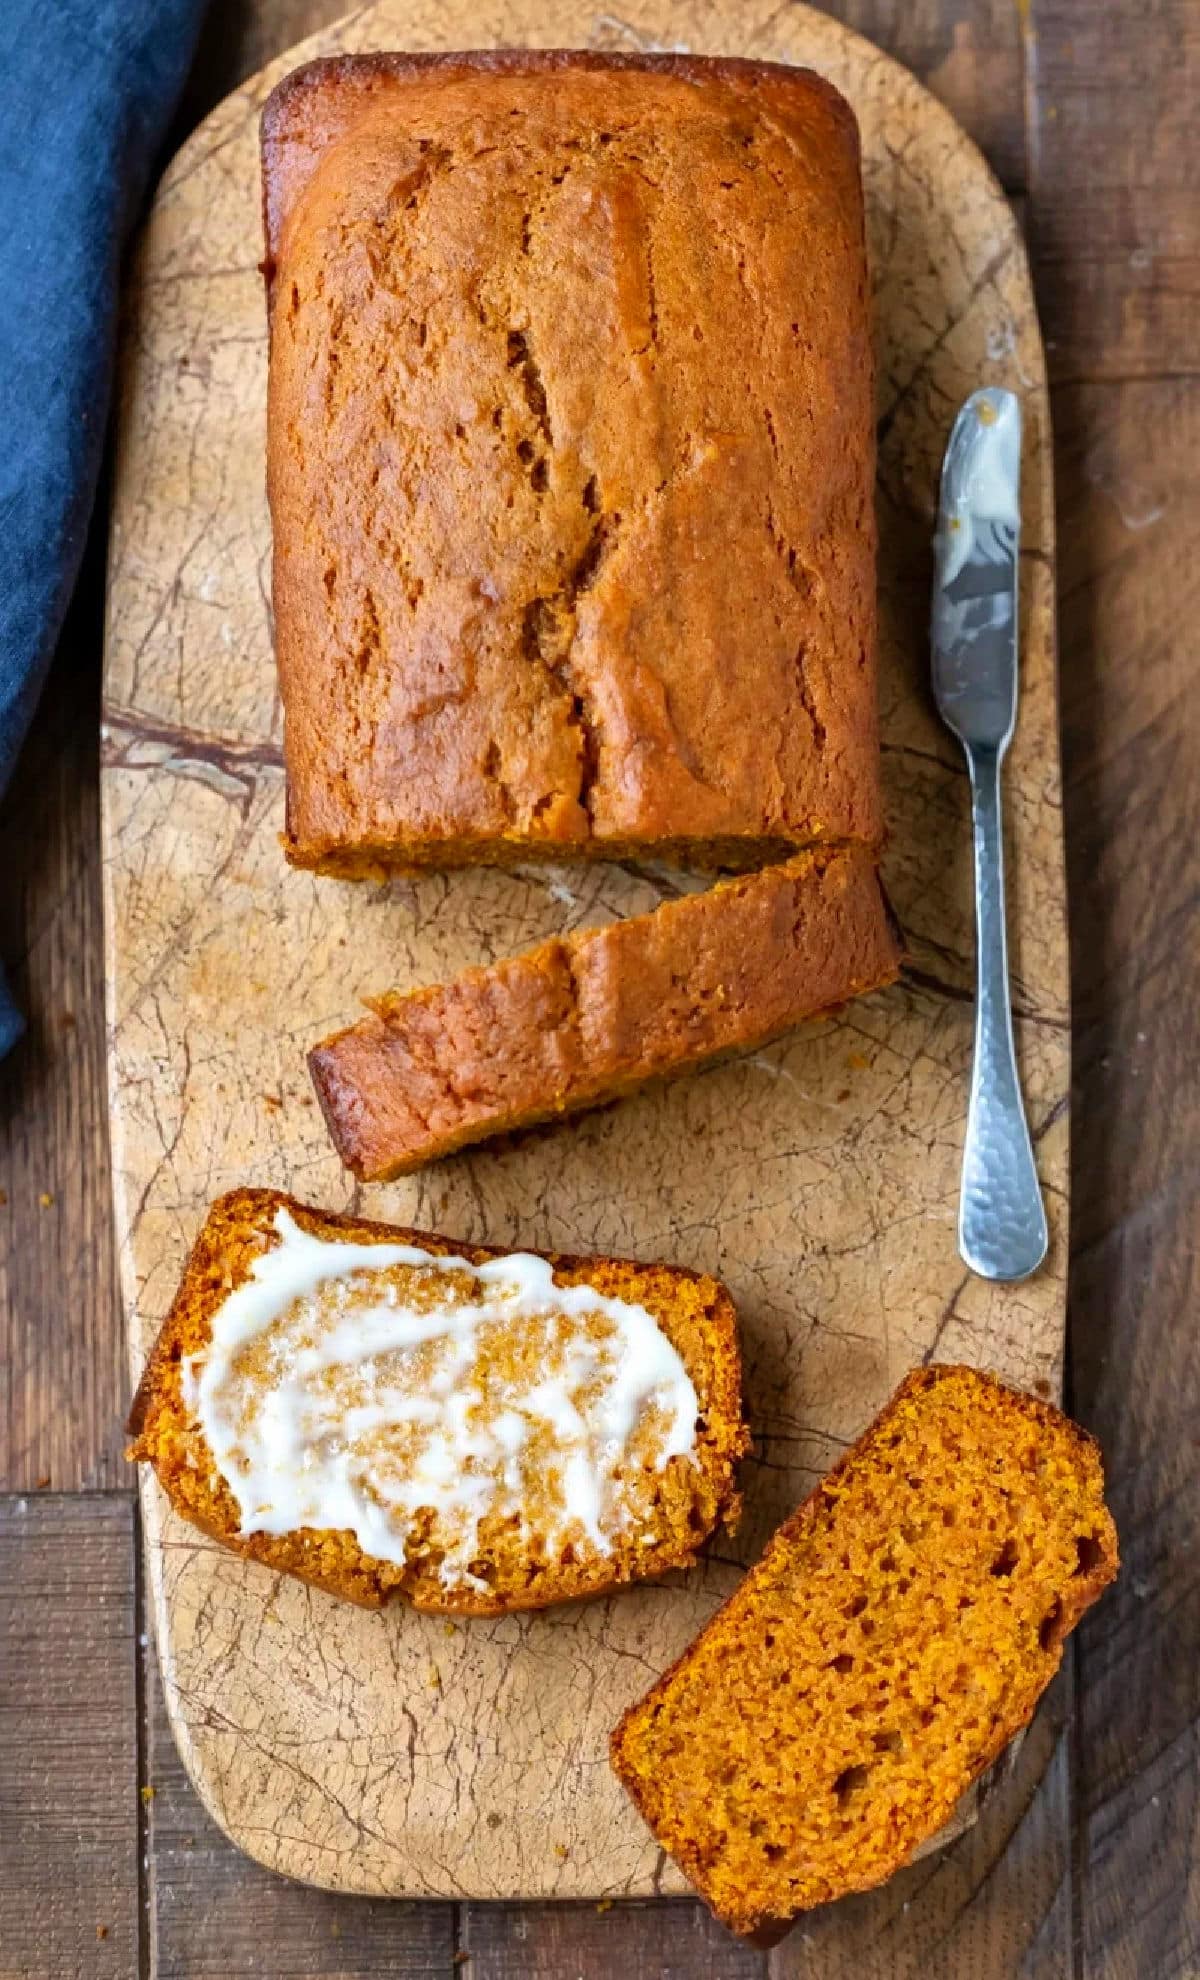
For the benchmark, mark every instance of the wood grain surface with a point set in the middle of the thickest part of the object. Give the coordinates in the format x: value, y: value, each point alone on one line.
x: 819, y: 1177
x: 1116, y: 1815
x: 69, y: 1801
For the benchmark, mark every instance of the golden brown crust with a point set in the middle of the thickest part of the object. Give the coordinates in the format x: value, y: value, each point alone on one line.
x: 865, y: 1711
x: 695, y: 1312
x: 570, y: 457
x: 316, y: 103
x: 580, y: 1020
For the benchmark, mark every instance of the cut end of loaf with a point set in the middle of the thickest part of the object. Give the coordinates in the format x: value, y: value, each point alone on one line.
x: 382, y: 859
x: 897, y: 1632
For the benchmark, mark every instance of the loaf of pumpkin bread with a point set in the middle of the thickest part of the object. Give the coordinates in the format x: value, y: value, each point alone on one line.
x: 570, y: 459
x: 385, y: 1413
x: 588, y: 1017
x: 899, y: 1629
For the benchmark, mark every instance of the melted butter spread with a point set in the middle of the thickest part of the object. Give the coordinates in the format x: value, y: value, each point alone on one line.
x: 981, y: 488
x: 410, y: 1398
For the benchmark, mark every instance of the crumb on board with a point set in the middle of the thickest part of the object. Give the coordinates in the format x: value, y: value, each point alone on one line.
x: 148, y: 1794
x: 102, y: 1931
x: 41, y: 1483
x: 561, y: 1851
x: 605, y: 1904
x: 45, y: 1199
x: 858, y: 1062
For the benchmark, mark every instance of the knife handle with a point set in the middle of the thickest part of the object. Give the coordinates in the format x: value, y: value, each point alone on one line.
x: 1002, y: 1221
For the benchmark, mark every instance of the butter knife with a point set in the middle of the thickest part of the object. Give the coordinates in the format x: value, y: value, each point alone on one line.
x: 1001, y: 1220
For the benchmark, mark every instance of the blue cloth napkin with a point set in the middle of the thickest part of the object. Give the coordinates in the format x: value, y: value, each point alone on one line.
x: 87, y: 88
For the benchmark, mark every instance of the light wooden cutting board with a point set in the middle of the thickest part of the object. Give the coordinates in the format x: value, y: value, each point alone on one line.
x: 390, y: 1752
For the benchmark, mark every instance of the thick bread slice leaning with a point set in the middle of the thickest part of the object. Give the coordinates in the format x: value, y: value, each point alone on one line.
x: 692, y: 1493
x: 585, y: 1018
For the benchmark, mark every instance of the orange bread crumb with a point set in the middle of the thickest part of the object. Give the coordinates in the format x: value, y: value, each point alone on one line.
x: 897, y: 1632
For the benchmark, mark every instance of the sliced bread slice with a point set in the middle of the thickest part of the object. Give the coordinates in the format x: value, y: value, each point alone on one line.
x: 583, y: 1019
x: 897, y: 1632
x: 386, y: 1413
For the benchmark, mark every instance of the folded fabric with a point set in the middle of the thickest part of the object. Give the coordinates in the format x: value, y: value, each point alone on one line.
x: 87, y: 88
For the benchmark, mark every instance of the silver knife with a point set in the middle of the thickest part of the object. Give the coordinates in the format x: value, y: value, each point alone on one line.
x: 1002, y: 1220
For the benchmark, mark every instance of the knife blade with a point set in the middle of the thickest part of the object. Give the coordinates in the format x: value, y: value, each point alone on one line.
x: 975, y: 585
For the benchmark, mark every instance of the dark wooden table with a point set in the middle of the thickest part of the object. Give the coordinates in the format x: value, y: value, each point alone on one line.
x: 1088, y: 1862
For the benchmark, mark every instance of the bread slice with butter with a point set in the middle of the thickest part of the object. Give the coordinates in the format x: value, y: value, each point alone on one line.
x: 385, y: 1413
